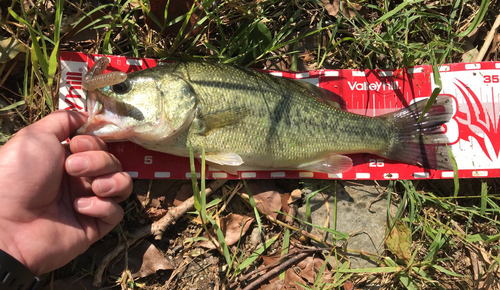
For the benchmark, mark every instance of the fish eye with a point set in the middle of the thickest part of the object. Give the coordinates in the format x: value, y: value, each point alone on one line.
x: 122, y: 88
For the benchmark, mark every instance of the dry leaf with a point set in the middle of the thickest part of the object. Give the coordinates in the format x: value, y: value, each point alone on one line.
x: 295, y: 195
x: 9, y: 48
x: 399, y: 241
x: 309, y: 268
x: 185, y: 192
x: 156, y: 197
x: 233, y: 226
x: 304, y: 272
x: 267, y: 196
x: 284, y: 203
x: 348, y: 9
x: 143, y: 260
x: 276, y: 285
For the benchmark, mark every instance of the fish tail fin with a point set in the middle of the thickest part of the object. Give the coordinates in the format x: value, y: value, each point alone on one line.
x: 418, y: 143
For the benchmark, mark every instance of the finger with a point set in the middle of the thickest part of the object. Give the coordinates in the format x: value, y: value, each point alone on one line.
x: 117, y: 185
x: 60, y: 123
x: 108, y: 212
x: 92, y: 163
x: 84, y: 143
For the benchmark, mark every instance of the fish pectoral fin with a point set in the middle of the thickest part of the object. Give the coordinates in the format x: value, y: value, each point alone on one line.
x: 332, y: 164
x: 219, y: 119
x: 226, y: 159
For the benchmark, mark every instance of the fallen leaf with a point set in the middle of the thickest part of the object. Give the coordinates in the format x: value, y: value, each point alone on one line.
x: 309, y: 268
x: 295, y: 195
x: 185, y: 192
x: 157, y: 196
x: 143, y: 260
x: 9, y: 48
x: 348, y: 8
x: 399, y: 241
x: 233, y: 226
x: 267, y: 196
x: 276, y: 285
x: 284, y: 202
x: 304, y: 271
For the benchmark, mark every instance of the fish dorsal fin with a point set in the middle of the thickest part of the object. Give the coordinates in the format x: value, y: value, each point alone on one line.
x: 320, y: 94
x: 226, y: 159
x: 219, y: 119
x: 332, y: 164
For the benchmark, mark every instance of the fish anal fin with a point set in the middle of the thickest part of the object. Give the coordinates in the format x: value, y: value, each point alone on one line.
x: 332, y: 164
x: 233, y: 170
x: 219, y: 119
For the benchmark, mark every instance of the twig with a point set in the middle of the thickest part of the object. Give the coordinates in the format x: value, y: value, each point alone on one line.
x: 294, y: 196
x: 488, y: 40
x: 260, y: 269
x: 156, y: 229
x: 276, y: 270
x: 283, y: 224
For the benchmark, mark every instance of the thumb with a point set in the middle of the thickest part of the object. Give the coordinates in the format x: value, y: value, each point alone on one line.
x: 61, y: 123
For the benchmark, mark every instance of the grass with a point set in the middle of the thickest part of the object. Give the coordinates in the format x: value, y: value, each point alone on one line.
x: 450, y: 224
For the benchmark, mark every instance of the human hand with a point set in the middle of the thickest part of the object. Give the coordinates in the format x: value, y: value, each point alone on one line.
x: 57, y: 199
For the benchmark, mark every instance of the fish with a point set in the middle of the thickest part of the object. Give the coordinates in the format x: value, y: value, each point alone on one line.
x: 237, y: 117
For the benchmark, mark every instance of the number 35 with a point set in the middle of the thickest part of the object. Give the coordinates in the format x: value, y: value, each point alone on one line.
x: 491, y: 79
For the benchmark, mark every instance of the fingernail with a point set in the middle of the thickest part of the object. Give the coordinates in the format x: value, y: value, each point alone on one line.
x: 83, y: 203
x: 77, y: 164
x: 106, y: 184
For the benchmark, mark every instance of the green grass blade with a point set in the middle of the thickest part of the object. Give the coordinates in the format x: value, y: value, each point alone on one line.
x: 53, y: 59
x: 456, y: 181
x: 255, y: 254
x: 446, y: 271
x: 222, y: 240
x: 41, y: 60
x: 393, y: 12
x: 284, y: 249
x: 254, y: 206
x: 484, y: 198
x: 12, y: 106
x: 476, y: 20
x: 435, y: 91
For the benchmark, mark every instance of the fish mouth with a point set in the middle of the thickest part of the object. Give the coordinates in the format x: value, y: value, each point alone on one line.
x: 103, y: 121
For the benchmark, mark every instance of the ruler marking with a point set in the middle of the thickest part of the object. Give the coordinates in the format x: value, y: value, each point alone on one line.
x: 219, y: 175
x: 374, y: 104
x: 494, y: 111
x: 133, y: 174
x: 248, y: 175
x: 188, y: 175
x: 334, y: 175
x: 160, y: 174
x: 278, y: 174
x: 306, y: 174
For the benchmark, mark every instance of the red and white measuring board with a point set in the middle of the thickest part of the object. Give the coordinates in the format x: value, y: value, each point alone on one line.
x: 473, y: 130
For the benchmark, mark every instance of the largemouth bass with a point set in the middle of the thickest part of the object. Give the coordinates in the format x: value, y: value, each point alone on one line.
x: 242, y: 117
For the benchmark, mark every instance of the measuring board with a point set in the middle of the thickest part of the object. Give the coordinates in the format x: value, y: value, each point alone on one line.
x: 472, y: 131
